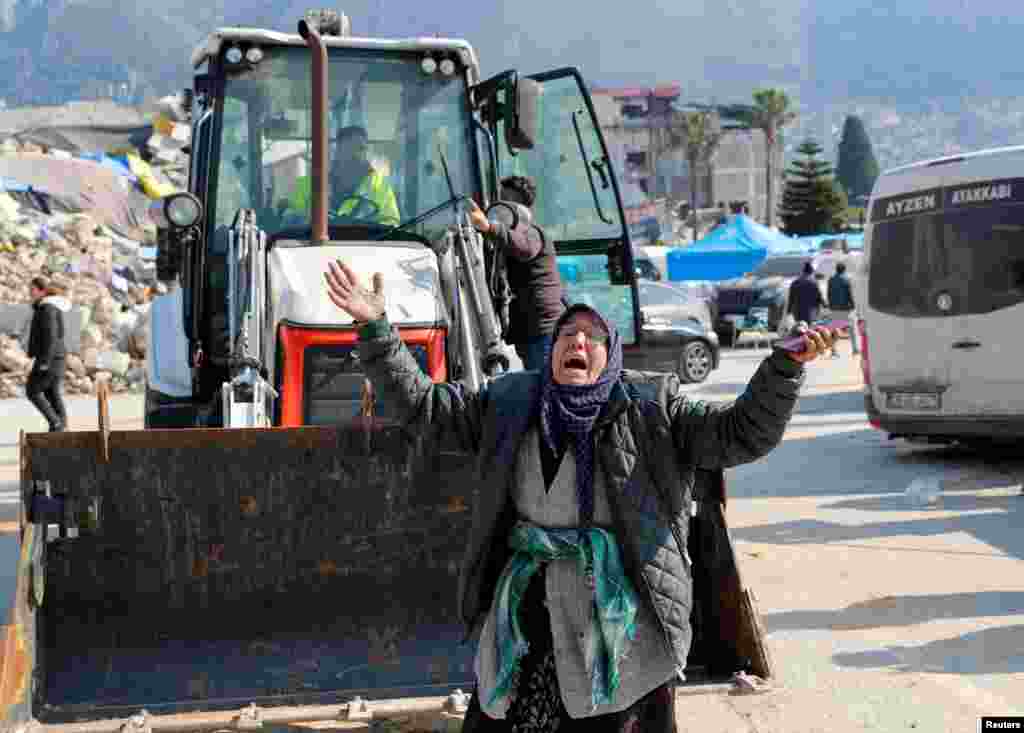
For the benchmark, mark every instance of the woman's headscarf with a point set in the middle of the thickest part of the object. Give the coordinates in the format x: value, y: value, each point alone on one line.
x: 569, y: 411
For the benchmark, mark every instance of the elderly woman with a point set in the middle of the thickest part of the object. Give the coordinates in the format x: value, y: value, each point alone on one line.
x: 576, y: 574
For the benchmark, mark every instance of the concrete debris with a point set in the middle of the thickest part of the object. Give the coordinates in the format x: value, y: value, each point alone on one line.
x: 110, y: 278
x: 12, y: 357
x: 115, y: 362
x: 92, y: 337
x: 104, y: 308
x: 138, y: 340
x: 80, y: 385
x: 90, y: 358
x: 76, y: 366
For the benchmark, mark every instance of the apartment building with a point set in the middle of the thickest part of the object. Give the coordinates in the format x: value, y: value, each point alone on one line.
x: 634, y: 121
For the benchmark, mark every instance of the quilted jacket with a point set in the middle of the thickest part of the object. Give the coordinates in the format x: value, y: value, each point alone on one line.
x: 651, y: 440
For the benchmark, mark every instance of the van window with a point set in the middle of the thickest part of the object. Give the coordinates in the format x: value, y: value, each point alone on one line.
x: 975, y: 255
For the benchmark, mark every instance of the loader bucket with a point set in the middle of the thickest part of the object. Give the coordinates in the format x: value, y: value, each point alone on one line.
x: 193, y: 572
x: 207, y: 568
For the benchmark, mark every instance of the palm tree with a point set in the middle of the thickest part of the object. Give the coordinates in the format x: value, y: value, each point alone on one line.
x: 698, y: 134
x: 703, y: 131
x: 770, y: 114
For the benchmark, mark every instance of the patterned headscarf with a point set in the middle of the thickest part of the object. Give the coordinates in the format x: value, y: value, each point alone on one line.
x: 569, y: 411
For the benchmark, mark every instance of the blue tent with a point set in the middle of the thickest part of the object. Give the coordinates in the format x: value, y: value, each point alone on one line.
x: 729, y: 250
x: 813, y: 241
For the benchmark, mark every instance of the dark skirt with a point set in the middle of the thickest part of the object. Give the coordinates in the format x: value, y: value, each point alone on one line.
x: 536, y: 704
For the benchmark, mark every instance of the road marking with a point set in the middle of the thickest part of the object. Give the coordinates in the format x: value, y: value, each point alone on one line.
x: 812, y: 432
x: 828, y: 418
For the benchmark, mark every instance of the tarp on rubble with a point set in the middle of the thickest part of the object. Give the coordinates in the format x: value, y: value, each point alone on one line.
x: 81, y: 185
x: 77, y: 139
x: 151, y: 184
x: 28, y: 197
x: 729, y: 250
x: 118, y: 164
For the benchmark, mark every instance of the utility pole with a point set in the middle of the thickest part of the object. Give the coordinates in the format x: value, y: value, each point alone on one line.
x: 653, y: 141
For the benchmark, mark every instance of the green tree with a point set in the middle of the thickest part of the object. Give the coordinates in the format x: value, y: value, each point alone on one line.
x: 856, y: 167
x: 703, y: 133
x: 698, y: 133
x: 769, y: 114
x: 812, y: 203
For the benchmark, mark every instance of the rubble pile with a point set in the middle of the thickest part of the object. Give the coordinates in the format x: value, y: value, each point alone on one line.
x: 110, y: 285
x: 110, y: 278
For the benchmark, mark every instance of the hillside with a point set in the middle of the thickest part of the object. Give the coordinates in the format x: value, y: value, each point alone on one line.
x: 939, y: 66
x: 56, y: 48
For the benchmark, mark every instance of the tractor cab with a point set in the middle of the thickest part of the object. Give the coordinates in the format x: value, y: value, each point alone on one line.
x: 410, y: 132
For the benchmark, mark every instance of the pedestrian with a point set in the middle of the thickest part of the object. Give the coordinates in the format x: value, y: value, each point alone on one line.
x: 840, y: 302
x: 46, y: 346
x: 533, y: 276
x: 576, y: 576
x: 805, y: 298
x: 357, y: 190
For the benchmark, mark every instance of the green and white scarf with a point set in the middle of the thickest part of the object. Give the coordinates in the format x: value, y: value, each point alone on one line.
x: 614, y: 610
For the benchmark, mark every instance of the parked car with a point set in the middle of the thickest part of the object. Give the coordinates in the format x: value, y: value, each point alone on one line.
x: 759, y: 299
x: 645, y: 269
x: 677, y: 328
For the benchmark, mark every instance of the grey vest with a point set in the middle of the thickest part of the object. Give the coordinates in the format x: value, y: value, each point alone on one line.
x: 648, y: 662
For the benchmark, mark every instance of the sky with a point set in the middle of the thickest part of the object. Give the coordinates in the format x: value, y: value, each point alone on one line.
x: 643, y: 42
x: 720, y: 50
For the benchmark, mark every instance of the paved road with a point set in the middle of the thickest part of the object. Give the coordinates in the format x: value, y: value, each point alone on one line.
x: 881, y: 615
x: 18, y: 415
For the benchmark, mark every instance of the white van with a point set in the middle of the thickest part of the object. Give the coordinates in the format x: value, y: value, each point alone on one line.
x: 942, y: 298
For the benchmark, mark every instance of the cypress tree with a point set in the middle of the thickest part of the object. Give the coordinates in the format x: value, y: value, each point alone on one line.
x: 856, y: 167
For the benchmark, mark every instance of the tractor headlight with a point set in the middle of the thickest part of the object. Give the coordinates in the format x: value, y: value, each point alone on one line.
x: 178, y: 211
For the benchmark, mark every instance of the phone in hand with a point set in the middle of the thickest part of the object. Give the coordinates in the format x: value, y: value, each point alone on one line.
x: 795, y: 344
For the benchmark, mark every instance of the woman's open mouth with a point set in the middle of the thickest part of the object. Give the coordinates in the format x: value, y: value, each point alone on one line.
x: 575, y: 362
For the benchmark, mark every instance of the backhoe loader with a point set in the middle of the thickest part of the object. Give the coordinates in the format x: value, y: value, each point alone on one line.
x: 273, y: 550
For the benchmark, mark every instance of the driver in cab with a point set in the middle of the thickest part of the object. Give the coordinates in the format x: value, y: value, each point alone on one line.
x: 356, y: 189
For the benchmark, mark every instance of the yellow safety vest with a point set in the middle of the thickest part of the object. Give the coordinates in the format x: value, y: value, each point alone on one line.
x: 374, y: 187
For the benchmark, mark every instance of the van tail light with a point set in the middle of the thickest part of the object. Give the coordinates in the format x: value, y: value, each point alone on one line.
x: 865, y: 365
x: 865, y: 360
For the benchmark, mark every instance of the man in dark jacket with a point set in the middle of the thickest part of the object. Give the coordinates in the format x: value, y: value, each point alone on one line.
x: 619, y: 450
x: 805, y: 299
x: 840, y: 302
x: 46, y: 346
x: 532, y: 274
